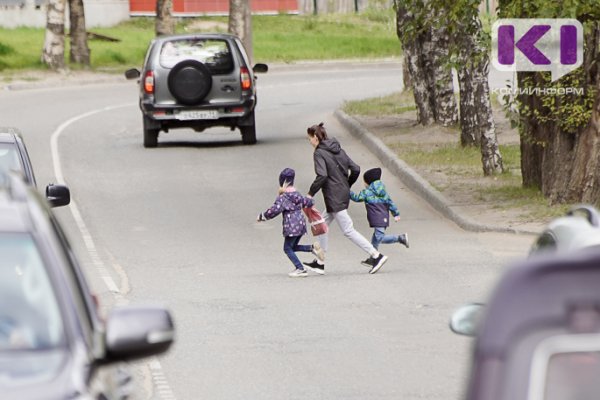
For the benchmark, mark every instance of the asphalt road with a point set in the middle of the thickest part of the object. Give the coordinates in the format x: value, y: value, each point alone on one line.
x: 175, y: 226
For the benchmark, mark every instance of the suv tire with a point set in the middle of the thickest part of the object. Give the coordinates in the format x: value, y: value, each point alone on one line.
x: 150, y: 133
x: 249, y: 131
x: 189, y: 82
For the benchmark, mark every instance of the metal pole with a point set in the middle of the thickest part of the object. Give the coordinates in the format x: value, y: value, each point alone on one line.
x: 315, y: 7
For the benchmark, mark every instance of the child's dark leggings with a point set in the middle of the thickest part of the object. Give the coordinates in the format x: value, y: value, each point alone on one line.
x: 291, y: 246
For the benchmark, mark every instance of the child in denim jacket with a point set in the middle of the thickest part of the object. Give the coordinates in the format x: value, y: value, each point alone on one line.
x: 290, y: 203
x: 379, y: 205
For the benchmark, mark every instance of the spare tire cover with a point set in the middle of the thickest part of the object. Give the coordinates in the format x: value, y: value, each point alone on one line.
x: 189, y: 81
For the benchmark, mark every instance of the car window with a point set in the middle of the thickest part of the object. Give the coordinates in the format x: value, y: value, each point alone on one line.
x: 566, y: 367
x: 573, y: 375
x: 214, y: 53
x: 30, y: 317
x: 9, y: 159
x: 243, y: 52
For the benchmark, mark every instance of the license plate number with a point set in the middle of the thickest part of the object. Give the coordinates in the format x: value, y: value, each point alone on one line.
x: 205, y: 114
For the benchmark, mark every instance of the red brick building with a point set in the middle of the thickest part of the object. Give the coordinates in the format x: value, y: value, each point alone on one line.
x: 212, y: 7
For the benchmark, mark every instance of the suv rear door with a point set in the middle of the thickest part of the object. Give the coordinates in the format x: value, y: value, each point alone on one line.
x: 217, y: 55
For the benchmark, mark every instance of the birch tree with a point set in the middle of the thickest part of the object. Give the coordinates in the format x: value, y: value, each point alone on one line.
x: 164, y: 24
x: 477, y: 126
x: 425, y: 47
x: 79, y: 51
x: 240, y: 23
x: 53, y: 53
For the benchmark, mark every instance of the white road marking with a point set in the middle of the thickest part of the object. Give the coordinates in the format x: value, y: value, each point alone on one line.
x: 158, y: 377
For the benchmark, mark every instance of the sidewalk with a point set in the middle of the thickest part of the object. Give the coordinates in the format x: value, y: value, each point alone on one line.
x: 468, y: 217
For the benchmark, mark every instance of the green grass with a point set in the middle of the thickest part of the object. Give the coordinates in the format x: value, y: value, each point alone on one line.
x: 395, y: 103
x: 503, y: 191
x: 277, y: 38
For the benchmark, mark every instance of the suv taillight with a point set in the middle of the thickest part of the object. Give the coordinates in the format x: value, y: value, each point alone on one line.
x: 149, y: 82
x: 245, y: 78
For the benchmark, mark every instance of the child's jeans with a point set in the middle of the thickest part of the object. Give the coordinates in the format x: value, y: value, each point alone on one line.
x: 291, y: 246
x: 379, y: 237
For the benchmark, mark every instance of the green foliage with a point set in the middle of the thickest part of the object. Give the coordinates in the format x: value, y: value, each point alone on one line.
x: 569, y: 112
x: 549, y: 9
x: 6, y: 50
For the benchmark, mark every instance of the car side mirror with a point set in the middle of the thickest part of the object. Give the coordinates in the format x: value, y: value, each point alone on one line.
x: 260, y: 68
x: 58, y: 195
x: 136, y: 332
x: 465, y: 320
x: 132, y: 73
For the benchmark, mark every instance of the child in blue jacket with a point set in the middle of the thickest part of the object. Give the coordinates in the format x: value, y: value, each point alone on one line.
x: 290, y: 203
x: 379, y: 205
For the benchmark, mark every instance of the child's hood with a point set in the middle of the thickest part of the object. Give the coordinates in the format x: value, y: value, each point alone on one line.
x: 293, y: 200
x: 378, y: 188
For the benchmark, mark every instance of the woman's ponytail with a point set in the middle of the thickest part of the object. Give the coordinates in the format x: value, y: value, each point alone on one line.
x: 318, y: 131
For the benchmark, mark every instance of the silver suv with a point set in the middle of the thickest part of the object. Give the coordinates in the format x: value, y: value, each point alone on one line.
x: 197, y: 81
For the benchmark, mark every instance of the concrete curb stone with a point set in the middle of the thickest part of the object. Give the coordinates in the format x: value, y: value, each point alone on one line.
x: 414, y: 181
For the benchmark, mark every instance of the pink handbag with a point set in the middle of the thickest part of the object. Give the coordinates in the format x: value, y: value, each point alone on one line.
x: 316, y: 221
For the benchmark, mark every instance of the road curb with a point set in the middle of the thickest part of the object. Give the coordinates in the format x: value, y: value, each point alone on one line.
x: 414, y: 181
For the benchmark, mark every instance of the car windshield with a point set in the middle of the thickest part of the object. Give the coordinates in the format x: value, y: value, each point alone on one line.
x: 213, y: 53
x: 9, y: 159
x: 31, y: 327
x: 573, y: 375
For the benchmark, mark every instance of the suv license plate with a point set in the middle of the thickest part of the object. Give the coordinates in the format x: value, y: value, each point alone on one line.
x: 206, y: 114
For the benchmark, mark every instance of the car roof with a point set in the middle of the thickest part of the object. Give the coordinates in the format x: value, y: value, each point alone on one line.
x: 7, y: 136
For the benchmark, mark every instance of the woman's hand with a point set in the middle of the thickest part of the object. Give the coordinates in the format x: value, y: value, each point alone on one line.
x: 397, y: 218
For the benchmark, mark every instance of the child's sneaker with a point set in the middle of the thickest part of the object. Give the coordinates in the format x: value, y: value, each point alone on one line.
x: 378, y: 263
x: 403, y: 239
x: 314, y: 266
x: 318, y: 251
x: 299, y: 273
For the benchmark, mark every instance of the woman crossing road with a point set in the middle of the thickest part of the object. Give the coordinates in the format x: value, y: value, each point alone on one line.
x: 336, y: 172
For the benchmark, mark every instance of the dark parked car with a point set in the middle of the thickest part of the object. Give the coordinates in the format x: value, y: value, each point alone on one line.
x: 53, y: 342
x: 197, y: 81
x: 538, y: 336
x: 14, y: 157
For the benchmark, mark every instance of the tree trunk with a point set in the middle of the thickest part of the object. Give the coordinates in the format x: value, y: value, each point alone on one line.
x: 584, y: 185
x: 564, y: 165
x: 442, y: 87
x: 53, y: 53
x: 240, y: 23
x: 491, y: 158
x: 476, y: 114
x: 425, y: 54
x: 406, y: 81
x: 79, y: 52
x: 164, y: 24
x: 585, y: 178
x: 469, y: 132
x: 414, y: 60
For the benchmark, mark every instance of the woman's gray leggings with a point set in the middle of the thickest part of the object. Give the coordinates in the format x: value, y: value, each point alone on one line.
x: 347, y: 226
